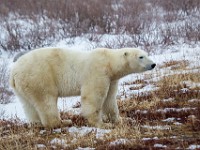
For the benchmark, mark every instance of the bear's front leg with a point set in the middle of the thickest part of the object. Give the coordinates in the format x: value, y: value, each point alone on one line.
x: 110, y: 108
x: 93, y: 95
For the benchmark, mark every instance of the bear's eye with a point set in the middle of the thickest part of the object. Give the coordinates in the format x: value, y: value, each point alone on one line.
x: 126, y: 54
x: 141, y: 57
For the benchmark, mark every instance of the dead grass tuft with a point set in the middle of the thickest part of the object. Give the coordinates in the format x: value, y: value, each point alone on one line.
x: 77, y: 120
x: 175, y: 64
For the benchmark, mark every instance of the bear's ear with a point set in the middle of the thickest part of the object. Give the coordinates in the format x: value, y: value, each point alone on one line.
x: 125, y: 53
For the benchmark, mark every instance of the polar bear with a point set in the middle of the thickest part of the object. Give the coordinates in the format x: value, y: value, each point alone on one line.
x: 40, y: 76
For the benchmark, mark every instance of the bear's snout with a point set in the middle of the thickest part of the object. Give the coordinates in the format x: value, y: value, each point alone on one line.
x: 150, y: 66
x: 153, y: 66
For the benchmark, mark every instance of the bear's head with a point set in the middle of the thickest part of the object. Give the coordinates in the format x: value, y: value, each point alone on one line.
x: 138, y: 60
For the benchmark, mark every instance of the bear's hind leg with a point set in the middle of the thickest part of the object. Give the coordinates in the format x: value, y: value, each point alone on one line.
x: 49, y: 113
x: 30, y: 111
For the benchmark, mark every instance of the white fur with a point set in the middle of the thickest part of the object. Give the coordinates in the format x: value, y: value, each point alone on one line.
x: 42, y: 75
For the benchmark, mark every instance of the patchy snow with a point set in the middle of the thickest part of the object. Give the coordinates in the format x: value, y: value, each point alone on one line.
x: 59, y: 130
x: 194, y: 100
x: 59, y: 141
x: 184, y: 52
x: 191, y: 147
x: 66, y: 104
x: 43, y: 131
x: 177, y: 123
x: 168, y: 100
x: 169, y: 119
x: 147, y: 139
x: 160, y: 146
x: 131, y: 78
x: 131, y: 93
x: 141, y: 111
x: 172, y: 120
x: 175, y: 109
x: 158, y: 127
x: 77, y: 132
x: 13, y: 110
x: 82, y: 131
x: 41, y: 146
x: 191, y: 84
x: 173, y: 137
x: 86, y: 148
x: 119, y: 142
x: 184, y: 90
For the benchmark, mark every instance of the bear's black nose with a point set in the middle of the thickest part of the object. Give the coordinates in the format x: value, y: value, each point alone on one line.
x: 153, y: 65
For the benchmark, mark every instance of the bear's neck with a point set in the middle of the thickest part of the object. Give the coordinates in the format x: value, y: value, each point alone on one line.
x: 119, y: 69
x: 119, y: 73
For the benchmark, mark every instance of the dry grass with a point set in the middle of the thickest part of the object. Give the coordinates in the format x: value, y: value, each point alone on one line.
x: 169, y: 116
x: 175, y: 65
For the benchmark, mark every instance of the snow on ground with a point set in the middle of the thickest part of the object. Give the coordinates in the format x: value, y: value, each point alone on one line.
x: 166, y: 127
x: 146, y: 139
x: 160, y: 146
x: 66, y: 104
x: 12, y: 110
x: 15, y: 109
x: 191, y: 147
x: 131, y: 93
x: 86, y: 148
x: 119, y: 142
x: 85, y: 130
